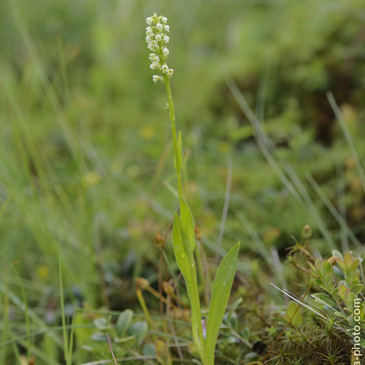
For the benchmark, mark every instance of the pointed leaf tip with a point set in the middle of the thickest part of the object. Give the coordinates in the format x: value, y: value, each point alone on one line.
x: 220, y: 295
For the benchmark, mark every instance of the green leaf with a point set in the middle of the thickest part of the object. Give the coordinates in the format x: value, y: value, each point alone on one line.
x: 163, y: 353
x: 123, y: 322
x: 357, y: 289
x: 234, y: 306
x: 337, y: 254
x: 124, y: 339
x: 187, y: 226
x: 98, y: 336
x: 220, y: 294
x: 149, y: 349
x: 314, y: 271
x: 327, y: 269
x: 182, y: 257
x: 293, y: 314
x: 340, y: 314
x: 101, y: 323
x: 326, y: 274
x: 125, y: 343
x: 186, y: 263
x: 139, y: 331
x: 324, y: 298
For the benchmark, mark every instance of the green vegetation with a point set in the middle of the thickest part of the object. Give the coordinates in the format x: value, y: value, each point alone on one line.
x: 269, y: 98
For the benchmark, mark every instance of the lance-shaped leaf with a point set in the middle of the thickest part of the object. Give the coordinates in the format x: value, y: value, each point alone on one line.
x: 187, y: 226
x: 181, y: 255
x: 221, y: 291
x: 185, y: 260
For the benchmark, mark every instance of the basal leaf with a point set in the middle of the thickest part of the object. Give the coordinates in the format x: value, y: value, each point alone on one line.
x: 182, y: 257
x: 185, y: 260
x: 187, y: 226
x: 221, y: 291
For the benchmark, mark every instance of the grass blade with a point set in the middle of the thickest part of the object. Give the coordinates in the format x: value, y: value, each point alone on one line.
x: 360, y: 165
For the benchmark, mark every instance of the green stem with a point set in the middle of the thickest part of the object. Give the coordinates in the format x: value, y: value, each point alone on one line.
x: 192, y: 287
x: 174, y: 134
x: 197, y: 318
x: 144, y: 307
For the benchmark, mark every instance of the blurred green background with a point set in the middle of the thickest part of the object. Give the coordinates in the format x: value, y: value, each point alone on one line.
x: 86, y: 160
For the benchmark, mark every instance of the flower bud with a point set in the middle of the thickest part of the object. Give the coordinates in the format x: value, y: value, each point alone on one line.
x: 159, y: 241
x: 307, y: 232
x: 168, y: 289
x: 142, y: 283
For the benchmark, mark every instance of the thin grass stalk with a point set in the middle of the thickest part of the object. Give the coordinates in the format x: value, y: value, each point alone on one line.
x: 360, y: 166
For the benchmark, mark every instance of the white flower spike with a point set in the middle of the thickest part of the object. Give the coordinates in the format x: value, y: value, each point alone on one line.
x: 157, y: 42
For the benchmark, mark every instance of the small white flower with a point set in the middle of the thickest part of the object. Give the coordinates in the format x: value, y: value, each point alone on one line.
x: 152, y: 45
x: 156, y: 78
x: 166, y: 28
x: 152, y: 56
x: 158, y: 37
x: 164, y: 68
x: 166, y: 39
x: 148, y: 39
x: 170, y: 71
x: 159, y: 27
x: 149, y: 30
x: 155, y: 66
x: 165, y: 51
x: 149, y: 20
x: 164, y: 19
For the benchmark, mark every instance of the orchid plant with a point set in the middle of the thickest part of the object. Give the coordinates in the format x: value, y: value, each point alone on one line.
x: 183, y: 226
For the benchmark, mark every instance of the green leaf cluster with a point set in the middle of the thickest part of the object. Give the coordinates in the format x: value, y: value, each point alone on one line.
x: 339, y: 277
x: 184, y: 246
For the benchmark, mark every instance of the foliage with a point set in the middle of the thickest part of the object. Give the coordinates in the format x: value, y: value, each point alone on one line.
x: 86, y: 171
x: 323, y: 332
